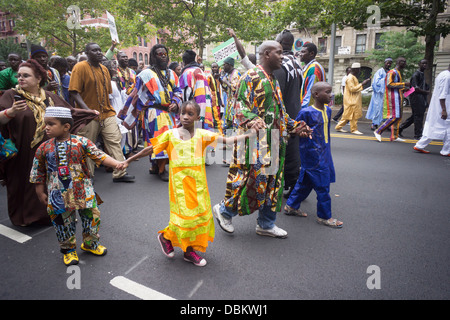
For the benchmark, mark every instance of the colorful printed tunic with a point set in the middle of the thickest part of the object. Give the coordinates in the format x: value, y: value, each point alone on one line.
x: 215, y: 102
x: 313, y: 72
x: 393, y: 95
x: 233, y: 78
x: 127, y: 79
x: 191, y: 222
x: 195, y: 87
x: 151, y: 100
x: 257, y: 180
x: 74, y: 191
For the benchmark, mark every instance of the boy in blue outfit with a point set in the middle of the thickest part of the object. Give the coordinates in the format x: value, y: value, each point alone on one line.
x: 317, y: 169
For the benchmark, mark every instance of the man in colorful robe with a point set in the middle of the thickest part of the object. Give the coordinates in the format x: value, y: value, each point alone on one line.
x: 156, y: 98
x: 194, y: 86
x: 230, y: 83
x: 312, y: 72
x: 393, y: 101
x: 126, y: 81
x: 256, y: 182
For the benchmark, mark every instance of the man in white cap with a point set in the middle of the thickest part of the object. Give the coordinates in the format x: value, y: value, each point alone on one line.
x: 352, y: 100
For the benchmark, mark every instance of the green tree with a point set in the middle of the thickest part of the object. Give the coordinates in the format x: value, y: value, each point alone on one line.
x: 419, y: 17
x: 48, y: 20
x: 7, y: 46
x: 184, y: 24
x: 400, y: 44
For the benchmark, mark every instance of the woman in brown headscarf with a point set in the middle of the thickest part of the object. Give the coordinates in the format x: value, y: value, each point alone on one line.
x: 24, y: 121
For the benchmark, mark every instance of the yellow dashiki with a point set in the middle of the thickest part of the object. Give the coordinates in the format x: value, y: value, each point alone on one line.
x: 191, y: 223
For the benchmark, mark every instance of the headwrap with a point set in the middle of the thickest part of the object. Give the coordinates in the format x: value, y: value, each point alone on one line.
x: 387, y: 59
x: 58, y: 112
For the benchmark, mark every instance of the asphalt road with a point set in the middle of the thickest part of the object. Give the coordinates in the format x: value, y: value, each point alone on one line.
x: 392, y: 200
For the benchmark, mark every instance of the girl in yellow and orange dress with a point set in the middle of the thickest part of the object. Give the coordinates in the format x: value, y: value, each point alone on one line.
x: 191, y: 224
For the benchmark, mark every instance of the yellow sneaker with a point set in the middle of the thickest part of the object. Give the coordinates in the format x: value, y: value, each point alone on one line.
x: 70, y: 258
x: 100, y: 251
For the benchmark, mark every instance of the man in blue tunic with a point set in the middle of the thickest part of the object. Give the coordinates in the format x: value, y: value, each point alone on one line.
x: 375, y: 110
x: 317, y: 171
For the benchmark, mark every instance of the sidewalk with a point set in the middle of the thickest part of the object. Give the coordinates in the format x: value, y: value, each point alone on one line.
x: 406, y: 113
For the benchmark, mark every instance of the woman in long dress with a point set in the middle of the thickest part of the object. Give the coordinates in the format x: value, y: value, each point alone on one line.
x: 27, y: 130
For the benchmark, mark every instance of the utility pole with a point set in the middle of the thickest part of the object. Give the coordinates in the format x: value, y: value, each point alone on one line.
x: 332, y: 52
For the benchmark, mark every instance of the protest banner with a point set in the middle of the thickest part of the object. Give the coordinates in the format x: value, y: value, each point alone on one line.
x: 112, y: 27
x: 224, y: 50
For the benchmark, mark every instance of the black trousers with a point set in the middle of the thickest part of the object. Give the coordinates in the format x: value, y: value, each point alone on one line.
x: 418, y: 113
x: 339, y: 114
x: 292, y: 162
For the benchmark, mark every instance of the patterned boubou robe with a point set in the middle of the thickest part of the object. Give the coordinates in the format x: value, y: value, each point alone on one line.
x: 255, y: 178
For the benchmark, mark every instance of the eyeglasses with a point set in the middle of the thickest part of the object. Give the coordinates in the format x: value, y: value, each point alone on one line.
x: 162, y: 54
x: 23, y: 75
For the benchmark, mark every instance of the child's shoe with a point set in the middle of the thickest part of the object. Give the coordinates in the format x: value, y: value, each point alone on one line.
x: 100, y: 251
x: 194, y: 258
x: 70, y: 258
x: 166, y: 246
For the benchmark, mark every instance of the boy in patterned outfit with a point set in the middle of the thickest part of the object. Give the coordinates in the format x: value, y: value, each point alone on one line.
x: 63, y: 183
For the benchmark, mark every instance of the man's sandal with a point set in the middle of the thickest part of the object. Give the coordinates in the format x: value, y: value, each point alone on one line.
x: 294, y: 212
x: 333, y: 223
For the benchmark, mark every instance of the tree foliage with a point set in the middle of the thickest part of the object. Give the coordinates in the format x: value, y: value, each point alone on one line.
x: 184, y: 24
x: 47, y: 20
x: 400, y: 44
x: 8, y: 46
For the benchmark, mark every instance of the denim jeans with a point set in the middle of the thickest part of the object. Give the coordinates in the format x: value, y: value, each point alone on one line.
x: 266, y: 217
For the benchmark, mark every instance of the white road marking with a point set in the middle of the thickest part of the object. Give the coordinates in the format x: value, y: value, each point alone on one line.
x: 197, y: 286
x: 137, y: 264
x: 13, y: 234
x: 138, y: 290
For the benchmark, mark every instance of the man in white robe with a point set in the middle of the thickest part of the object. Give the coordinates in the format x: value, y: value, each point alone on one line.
x: 437, y: 124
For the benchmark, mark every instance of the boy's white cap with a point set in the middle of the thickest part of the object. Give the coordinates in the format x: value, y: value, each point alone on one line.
x: 58, y: 112
x: 356, y: 65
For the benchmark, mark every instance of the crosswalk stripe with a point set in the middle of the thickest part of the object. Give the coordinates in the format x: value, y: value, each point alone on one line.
x: 13, y: 234
x: 138, y: 290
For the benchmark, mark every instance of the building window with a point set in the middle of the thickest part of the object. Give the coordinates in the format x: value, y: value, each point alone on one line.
x: 337, y: 43
x: 135, y: 56
x: 378, y: 43
x: 360, y: 43
x: 140, y: 57
x: 322, y: 48
x: 146, y: 59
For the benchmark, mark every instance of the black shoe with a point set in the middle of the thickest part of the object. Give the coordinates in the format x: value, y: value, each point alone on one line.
x: 400, y: 133
x: 164, y: 176
x: 124, y: 178
x: 417, y: 137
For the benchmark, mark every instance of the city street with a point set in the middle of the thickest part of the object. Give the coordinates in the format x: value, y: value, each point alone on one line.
x: 394, y: 243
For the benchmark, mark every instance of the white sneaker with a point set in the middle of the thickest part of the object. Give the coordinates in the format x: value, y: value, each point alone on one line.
x: 224, y: 223
x: 399, y: 140
x: 274, y: 232
x: 378, y: 136
x: 341, y: 130
x: 357, y: 132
